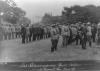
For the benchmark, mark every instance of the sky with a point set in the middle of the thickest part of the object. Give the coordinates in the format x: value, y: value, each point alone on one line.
x: 35, y: 9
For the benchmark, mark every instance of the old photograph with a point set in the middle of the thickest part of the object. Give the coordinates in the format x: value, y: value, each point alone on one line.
x: 49, y: 30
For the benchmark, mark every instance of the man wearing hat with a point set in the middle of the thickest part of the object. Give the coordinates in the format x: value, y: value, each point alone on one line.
x: 23, y: 33
x: 30, y: 30
x: 94, y: 31
x: 84, y: 36
x: 89, y: 33
x: 65, y: 32
x: 54, y: 38
x: 98, y: 34
x: 78, y: 36
x: 1, y: 33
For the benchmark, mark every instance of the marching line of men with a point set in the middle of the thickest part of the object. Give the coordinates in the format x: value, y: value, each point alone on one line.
x: 82, y: 32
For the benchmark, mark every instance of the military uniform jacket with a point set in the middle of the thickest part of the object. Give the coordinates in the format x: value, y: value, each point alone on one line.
x: 65, y: 31
x: 89, y: 32
x: 54, y: 34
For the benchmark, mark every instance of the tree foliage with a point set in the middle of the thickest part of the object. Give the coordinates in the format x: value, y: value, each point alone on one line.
x: 78, y: 13
x: 25, y: 21
x: 11, y: 13
x: 49, y: 19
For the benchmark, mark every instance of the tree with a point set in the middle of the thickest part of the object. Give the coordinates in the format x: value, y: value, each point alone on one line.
x: 25, y: 21
x: 94, y: 13
x: 11, y: 13
x: 46, y: 19
x: 49, y: 19
x: 14, y: 15
x: 75, y: 13
x: 81, y: 14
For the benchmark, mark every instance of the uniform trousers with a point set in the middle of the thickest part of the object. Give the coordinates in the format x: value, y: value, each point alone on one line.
x: 54, y: 44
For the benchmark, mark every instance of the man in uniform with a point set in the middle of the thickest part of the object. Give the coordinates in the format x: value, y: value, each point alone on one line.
x: 1, y: 33
x: 23, y: 33
x: 65, y: 34
x: 54, y: 38
x: 16, y: 33
x: 48, y: 32
x: 84, y: 36
x: 78, y: 36
x: 38, y: 33
x: 45, y: 32
x: 27, y: 34
x: 94, y: 31
x: 34, y: 33
x: 30, y: 36
x: 89, y: 34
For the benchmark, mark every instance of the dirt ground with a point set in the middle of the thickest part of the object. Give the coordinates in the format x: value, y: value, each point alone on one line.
x: 14, y: 51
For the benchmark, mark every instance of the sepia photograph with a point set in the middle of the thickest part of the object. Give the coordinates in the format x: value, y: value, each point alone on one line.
x: 49, y: 35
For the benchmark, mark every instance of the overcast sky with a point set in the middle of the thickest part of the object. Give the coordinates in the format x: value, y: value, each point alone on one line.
x: 35, y: 8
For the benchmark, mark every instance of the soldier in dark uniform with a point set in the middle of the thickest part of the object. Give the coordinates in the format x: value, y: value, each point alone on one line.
x: 98, y: 34
x: 30, y: 36
x: 84, y: 36
x: 94, y: 31
x: 33, y: 34
x: 41, y: 33
x: 1, y: 33
x: 59, y: 27
x: 34, y: 30
x: 71, y: 36
x: 38, y: 33
x: 54, y: 38
x: 78, y: 36
x: 47, y: 34
x: 27, y: 34
x: 23, y: 33
x: 16, y: 32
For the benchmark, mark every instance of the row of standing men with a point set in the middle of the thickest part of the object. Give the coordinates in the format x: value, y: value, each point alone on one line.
x: 69, y: 33
x: 83, y: 32
x: 32, y: 33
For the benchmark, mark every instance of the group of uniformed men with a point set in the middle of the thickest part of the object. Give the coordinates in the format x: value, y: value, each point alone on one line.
x: 33, y: 33
x: 10, y: 32
x: 83, y: 32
